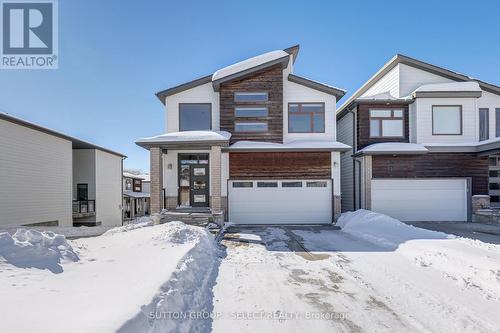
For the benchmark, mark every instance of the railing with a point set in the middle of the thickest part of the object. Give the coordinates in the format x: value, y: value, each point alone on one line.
x: 83, y: 206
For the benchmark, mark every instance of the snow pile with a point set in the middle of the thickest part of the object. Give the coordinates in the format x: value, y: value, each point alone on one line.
x: 184, y: 302
x: 141, y: 222
x: 395, y: 147
x: 32, y: 248
x: 382, y: 229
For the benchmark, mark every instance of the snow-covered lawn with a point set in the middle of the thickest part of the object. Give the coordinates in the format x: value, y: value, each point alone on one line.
x: 376, y: 275
x: 100, y: 284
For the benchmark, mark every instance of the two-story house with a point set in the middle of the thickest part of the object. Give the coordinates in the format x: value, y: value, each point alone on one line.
x: 252, y: 140
x: 135, y: 195
x: 423, y: 141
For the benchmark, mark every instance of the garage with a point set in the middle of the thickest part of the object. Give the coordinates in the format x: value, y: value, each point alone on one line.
x: 429, y: 199
x: 280, y: 201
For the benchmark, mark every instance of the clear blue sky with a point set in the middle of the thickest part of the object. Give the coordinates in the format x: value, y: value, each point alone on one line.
x: 114, y: 55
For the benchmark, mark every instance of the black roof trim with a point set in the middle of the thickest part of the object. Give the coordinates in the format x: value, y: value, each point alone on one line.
x: 77, y: 143
x: 185, y: 86
x: 338, y: 93
x: 293, y: 50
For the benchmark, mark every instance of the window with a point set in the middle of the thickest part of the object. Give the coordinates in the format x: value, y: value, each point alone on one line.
x: 137, y: 185
x: 497, y: 122
x: 193, y: 117
x: 316, y: 184
x: 495, y: 198
x: 494, y: 173
x: 484, y: 124
x: 242, y: 184
x: 447, y: 120
x: 250, y: 96
x: 306, y: 118
x: 253, y: 112
x: 82, y: 192
x: 494, y: 186
x: 267, y: 184
x: 291, y: 184
x: 250, y: 127
x: 128, y: 184
x: 386, y: 123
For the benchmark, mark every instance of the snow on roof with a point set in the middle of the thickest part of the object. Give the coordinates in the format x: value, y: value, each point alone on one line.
x: 394, y: 147
x: 249, y: 63
x: 293, y: 145
x: 131, y: 175
x: 133, y: 194
x: 145, y: 177
x: 188, y: 136
x: 453, y: 86
x: 384, y: 96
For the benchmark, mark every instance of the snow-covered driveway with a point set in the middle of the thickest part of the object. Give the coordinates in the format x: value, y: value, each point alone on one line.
x: 315, y: 279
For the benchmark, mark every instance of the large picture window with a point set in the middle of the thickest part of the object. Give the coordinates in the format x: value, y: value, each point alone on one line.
x: 306, y: 118
x: 386, y: 123
x: 195, y: 116
x: 447, y: 120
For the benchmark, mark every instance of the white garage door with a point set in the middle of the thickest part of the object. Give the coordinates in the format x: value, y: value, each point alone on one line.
x: 421, y: 199
x: 280, y: 201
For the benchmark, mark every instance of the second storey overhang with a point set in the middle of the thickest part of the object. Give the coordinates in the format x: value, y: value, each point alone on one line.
x: 293, y: 146
x: 186, y: 140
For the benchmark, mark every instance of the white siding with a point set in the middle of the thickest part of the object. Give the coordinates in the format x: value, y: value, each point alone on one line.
x: 387, y: 83
x: 224, y: 173
x: 410, y: 78
x: 490, y: 101
x: 296, y: 93
x: 424, y: 120
x: 346, y: 135
x: 335, y: 165
x: 201, y: 94
x: 84, y: 170
x: 35, y: 176
x: 146, y: 187
x: 412, y: 113
x: 108, y: 188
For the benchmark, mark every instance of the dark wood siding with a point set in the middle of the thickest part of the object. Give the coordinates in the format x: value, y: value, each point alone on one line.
x: 363, y: 119
x: 280, y: 165
x: 434, y: 165
x: 270, y: 81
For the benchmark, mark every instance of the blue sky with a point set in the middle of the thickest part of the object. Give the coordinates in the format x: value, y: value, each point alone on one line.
x: 114, y: 55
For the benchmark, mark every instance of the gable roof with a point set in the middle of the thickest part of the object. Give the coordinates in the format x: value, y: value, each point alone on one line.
x: 402, y: 59
x: 76, y: 143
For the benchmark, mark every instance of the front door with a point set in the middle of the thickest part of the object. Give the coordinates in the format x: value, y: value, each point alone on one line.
x: 199, y: 185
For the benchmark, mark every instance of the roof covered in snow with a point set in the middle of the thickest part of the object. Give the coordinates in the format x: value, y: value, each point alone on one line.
x: 186, y: 137
x: 133, y: 194
x: 399, y: 148
x: 297, y: 145
x: 453, y: 89
x: 131, y: 175
x: 384, y: 97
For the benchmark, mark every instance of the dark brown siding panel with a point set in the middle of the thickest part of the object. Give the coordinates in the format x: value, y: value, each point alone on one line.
x: 278, y: 165
x: 434, y: 165
x: 270, y: 81
x: 363, y: 129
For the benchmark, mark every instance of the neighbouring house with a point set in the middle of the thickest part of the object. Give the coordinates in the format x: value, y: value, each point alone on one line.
x: 425, y: 143
x: 135, y: 195
x: 49, y: 178
x: 253, y: 141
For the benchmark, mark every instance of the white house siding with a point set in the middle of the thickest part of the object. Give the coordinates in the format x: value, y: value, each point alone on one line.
x: 412, y: 113
x: 35, y: 176
x: 296, y: 93
x: 200, y: 94
x: 224, y: 173
x: 424, y: 120
x: 345, y: 134
x: 410, y: 78
x: 108, y: 170
x: 387, y: 83
x: 492, y: 102
x: 84, y: 171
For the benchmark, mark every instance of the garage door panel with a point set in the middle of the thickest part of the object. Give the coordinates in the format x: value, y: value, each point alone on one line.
x: 280, y: 205
x: 421, y: 199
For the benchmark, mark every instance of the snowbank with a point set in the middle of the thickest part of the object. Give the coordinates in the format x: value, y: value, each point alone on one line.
x: 382, y: 229
x: 32, y: 248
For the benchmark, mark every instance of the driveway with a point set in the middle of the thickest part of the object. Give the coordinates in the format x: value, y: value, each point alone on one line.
x: 319, y: 279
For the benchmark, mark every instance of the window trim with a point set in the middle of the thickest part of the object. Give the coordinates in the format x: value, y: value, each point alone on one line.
x: 249, y: 93
x: 179, y: 114
x: 381, y: 127
x: 236, y: 121
x: 251, y: 107
x: 461, y: 119
x: 487, y: 110
x: 310, y: 113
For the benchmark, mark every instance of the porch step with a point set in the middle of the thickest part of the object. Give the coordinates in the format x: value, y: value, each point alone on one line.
x: 193, y: 218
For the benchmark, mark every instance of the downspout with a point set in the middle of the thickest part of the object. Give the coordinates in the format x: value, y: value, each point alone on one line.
x: 121, y: 184
x: 354, y: 136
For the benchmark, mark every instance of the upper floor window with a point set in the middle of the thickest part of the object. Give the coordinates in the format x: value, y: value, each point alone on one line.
x: 250, y: 97
x: 128, y: 184
x: 306, y: 118
x: 386, y: 123
x: 137, y: 185
x: 447, y: 120
x: 250, y: 127
x: 497, y: 122
x: 250, y: 112
x: 484, y: 124
x: 195, y: 116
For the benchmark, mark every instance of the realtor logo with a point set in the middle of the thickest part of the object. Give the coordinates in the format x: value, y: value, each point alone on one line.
x: 29, y: 34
